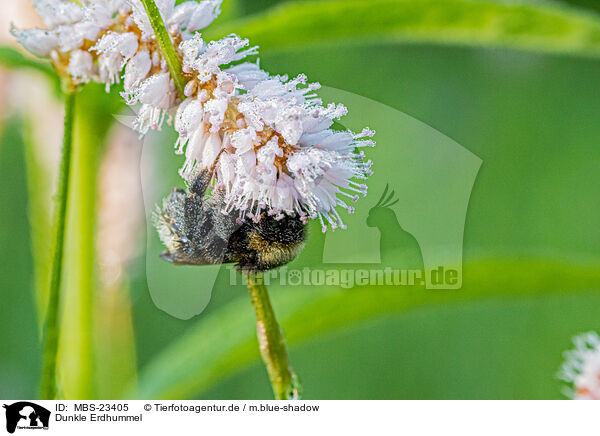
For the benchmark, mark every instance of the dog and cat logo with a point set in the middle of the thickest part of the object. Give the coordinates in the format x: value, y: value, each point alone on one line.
x: 26, y: 415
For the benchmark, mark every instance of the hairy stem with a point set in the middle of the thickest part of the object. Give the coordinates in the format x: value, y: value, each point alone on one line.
x: 271, y: 342
x: 51, y: 328
x: 166, y: 45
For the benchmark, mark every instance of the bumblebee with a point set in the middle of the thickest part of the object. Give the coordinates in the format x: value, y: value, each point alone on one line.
x: 195, y: 230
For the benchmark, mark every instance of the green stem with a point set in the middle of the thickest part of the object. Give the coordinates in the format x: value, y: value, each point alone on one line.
x: 76, y: 353
x: 166, y: 45
x: 51, y: 329
x: 271, y: 342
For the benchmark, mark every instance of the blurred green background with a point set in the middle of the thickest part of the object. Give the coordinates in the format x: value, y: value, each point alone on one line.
x: 531, y: 246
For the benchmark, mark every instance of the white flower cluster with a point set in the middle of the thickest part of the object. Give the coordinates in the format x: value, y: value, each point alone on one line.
x: 94, y: 40
x: 268, y: 138
x: 276, y: 151
x: 582, y: 367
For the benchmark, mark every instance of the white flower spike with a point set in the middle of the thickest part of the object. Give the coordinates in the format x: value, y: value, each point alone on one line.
x: 94, y: 40
x: 279, y: 154
x: 269, y: 138
x: 582, y: 368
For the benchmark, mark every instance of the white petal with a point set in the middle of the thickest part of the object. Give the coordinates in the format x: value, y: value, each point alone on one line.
x: 195, y: 147
x: 141, y: 17
x: 166, y: 8
x: 194, y: 16
x: 205, y: 59
x: 126, y: 44
x: 99, y: 13
x: 148, y: 118
x: 189, y: 116
x: 81, y: 66
x: 73, y: 36
x: 212, y: 147
x: 266, y: 154
x: 156, y: 90
x: 38, y: 41
x: 246, y: 161
x: 193, y: 153
x: 227, y: 169
x: 57, y: 12
x: 243, y: 140
x: 110, y: 65
x: 248, y: 74
x: 215, y: 109
x: 137, y: 69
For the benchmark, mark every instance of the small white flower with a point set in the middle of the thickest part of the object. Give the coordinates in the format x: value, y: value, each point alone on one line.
x: 192, y: 16
x: 70, y: 25
x: 81, y: 66
x: 137, y: 69
x: 157, y: 95
x: 214, y: 110
x: 205, y: 59
x: 582, y: 368
x: 243, y: 140
x: 194, y: 151
x: 187, y: 120
x: 114, y: 50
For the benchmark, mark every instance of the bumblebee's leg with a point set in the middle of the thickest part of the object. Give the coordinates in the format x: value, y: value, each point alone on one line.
x: 200, y: 183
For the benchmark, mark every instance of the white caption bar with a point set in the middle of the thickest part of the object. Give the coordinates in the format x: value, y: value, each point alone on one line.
x: 299, y: 417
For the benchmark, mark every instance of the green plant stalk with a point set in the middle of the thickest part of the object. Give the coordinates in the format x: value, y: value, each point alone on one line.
x: 271, y: 341
x: 166, y: 45
x: 48, y: 388
x: 76, y: 351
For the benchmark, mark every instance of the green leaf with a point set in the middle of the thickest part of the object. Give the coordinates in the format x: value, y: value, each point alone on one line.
x: 13, y: 59
x: 534, y: 26
x: 224, y: 342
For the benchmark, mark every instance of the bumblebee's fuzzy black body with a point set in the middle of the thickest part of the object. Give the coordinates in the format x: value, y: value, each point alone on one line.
x: 196, y: 232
